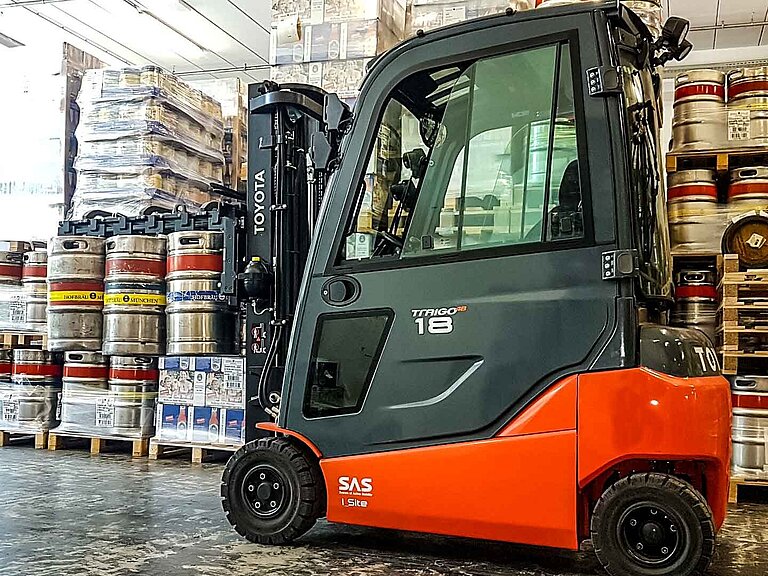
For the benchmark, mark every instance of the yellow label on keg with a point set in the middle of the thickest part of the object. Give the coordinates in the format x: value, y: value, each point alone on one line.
x: 135, y: 299
x: 75, y: 296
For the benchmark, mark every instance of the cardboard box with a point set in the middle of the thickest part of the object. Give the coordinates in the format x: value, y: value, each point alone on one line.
x: 391, y: 12
x: 232, y: 425
x: 217, y: 381
x: 172, y: 422
x: 205, y: 424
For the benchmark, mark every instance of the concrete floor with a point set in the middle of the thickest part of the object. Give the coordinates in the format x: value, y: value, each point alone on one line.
x: 70, y: 514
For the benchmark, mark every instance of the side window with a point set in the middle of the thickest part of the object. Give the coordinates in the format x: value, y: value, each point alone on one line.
x: 478, y: 155
x: 346, y: 350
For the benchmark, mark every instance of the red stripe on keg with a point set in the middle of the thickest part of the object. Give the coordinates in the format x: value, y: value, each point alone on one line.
x: 36, y: 369
x: 692, y: 190
x: 742, y: 188
x: 751, y: 86
x: 133, y: 374
x: 35, y: 271
x: 213, y: 262
x: 135, y: 265
x: 696, y: 292
x: 85, y: 371
x: 700, y: 90
x: 755, y: 401
x: 96, y: 286
x: 10, y: 270
x: 5, y: 367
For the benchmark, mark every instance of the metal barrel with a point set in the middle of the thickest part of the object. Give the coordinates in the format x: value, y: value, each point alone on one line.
x: 133, y: 386
x: 750, y: 430
x: 199, y: 320
x: 749, y: 383
x: 696, y: 301
x: 692, y: 186
x: 134, y: 295
x: 6, y: 362
x: 748, y: 90
x: 19, y: 246
x: 84, y: 383
x: 748, y: 188
x: 38, y: 384
x: 699, y: 121
x: 75, y: 293
x: 33, y: 279
x: 650, y: 12
x: 691, y: 197
x: 10, y: 267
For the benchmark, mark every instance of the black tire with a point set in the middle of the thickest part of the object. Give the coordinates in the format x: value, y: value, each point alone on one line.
x: 272, y: 491
x: 653, y: 525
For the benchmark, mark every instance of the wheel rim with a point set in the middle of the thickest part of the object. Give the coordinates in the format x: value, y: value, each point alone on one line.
x: 651, y: 535
x: 266, y: 491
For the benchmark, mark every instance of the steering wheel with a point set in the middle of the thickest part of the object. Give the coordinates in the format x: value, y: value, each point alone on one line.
x: 390, y: 238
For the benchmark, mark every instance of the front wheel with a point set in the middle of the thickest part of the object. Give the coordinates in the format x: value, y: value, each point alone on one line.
x: 272, y: 491
x: 653, y: 525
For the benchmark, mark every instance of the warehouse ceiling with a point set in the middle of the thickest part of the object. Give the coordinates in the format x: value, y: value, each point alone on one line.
x: 718, y: 24
x: 179, y: 35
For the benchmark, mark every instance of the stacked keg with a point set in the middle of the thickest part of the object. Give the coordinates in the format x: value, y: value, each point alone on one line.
x: 199, y: 318
x: 696, y: 301
x: 133, y: 386
x: 37, y: 385
x: 134, y: 300
x: 33, y: 279
x: 750, y: 424
x: 748, y: 189
x: 691, y: 198
x: 75, y: 293
x: 84, y: 385
x: 10, y: 267
x: 748, y: 90
x: 700, y: 117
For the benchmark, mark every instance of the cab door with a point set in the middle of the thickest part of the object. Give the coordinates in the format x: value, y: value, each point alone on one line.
x: 463, y: 275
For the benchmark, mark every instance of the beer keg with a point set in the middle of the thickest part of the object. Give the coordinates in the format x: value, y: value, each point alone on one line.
x: 748, y: 90
x: 748, y: 189
x: 38, y: 384
x: 133, y: 386
x: 749, y: 383
x: 84, y: 385
x: 747, y: 236
x: 699, y: 121
x: 199, y: 320
x: 75, y: 293
x: 689, y: 192
x: 34, y: 275
x: 749, y: 430
x: 696, y: 301
x: 134, y: 295
x: 10, y: 268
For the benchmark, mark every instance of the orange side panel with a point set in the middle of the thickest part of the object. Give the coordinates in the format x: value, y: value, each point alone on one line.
x: 516, y: 489
x: 639, y: 413
x: 555, y: 410
x: 272, y: 427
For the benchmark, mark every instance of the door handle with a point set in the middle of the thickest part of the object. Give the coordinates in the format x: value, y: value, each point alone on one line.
x: 341, y: 291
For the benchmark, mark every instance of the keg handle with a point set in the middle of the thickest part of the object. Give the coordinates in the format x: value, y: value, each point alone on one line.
x: 187, y: 240
x: 110, y: 245
x: 747, y: 173
x: 142, y: 360
x: 693, y: 277
x: 75, y: 356
x: 74, y: 244
x: 682, y: 78
x: 745, y: 384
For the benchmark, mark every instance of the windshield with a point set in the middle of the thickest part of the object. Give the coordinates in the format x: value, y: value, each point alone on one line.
x: 647, y: 196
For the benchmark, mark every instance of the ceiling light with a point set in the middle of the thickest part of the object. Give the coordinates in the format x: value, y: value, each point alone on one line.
x: 9, y: 42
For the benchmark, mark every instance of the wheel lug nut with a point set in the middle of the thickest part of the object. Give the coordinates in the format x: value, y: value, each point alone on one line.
x: 653, y: 512
x: 673, y: 528
x: 250, y: 487
x: 665, y: 550
x: 633, y: 522
x: 262, y: 476
x: 639, y: 546
x: 276, y: 486
x: 272, y: 504
x: 257, y: 505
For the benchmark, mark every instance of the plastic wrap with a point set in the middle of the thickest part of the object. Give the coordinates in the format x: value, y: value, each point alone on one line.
x: 95, y: 411
x: 390, y: 12
x: 430, y: 14
x: 28, y: 407
x: 342, y: 77
x: 15, y: 309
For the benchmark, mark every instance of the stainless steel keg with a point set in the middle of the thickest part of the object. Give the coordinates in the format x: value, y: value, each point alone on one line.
x: 84, y: 385
x: 748, y: 188
x: 37, y: 379
x: 696, y: 301
x: 133, y: 386
x: 33, y: 279
x: 750, y: 430
x: 691, y: 199
x: 75, y: 293
x: 10, y: 267
x: 6, y: 362
x: 134, y: 295
x: 748, y: 90
x: 749, y: 383
x: 199, y: 319
x: 700, y: 118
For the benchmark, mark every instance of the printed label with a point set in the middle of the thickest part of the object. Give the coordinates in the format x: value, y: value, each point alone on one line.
x: 135, y: 299
x: 105, y: 412
x: 195, y: 295
x: 11, y: 410
x: 17, y: 308
x: 739, y: 127
x: 75, y: 296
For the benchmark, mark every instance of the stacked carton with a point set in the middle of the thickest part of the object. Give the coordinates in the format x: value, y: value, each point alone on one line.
x: 338, y: 38
x: 146, y: 140
x: 431, y: 14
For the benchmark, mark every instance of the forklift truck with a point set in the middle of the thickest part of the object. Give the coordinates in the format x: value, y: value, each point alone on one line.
x: 456, y: 301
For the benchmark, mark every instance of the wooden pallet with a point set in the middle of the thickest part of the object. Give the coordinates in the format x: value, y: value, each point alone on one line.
x: 736, y: 481
x: 737, y: 362
x: 12, y: 437
x: 743, y: 339
x: 24, y: 340
x: 743, y: 317
x: 722, y: 160
x: 98, y: 444
x: 200, y: 452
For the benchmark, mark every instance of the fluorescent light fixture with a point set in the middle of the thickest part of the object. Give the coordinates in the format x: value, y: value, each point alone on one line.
x: 9, y: 42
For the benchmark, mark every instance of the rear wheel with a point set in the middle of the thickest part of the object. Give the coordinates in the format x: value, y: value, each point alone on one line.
x: 272, y: 491
x: 653, y: 525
